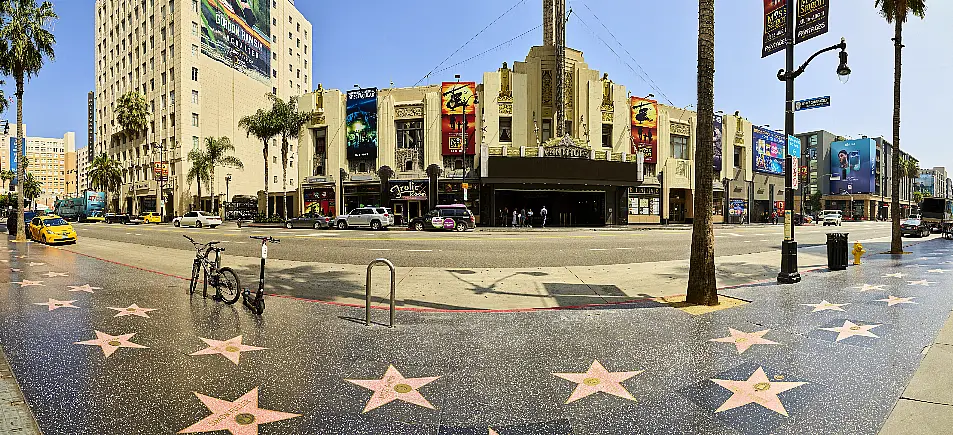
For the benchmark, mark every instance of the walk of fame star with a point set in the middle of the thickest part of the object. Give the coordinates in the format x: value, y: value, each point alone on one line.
x: 894, y: 275
x: 824, y: 305
x: 744, y: 340
x: 231, y: 348
x: 493, y: 432
x: 109, y: 343
x: 28, y: 283
x: 922, y: 282
x: 851, y: 329
x: 868, y: 287
x: 597, y: 379
x: 16, y: 270
x: 937, y: 271
x: 32, y: 264
x: 756, y: 389
x: 133, y: 310
x: 83, y: 288
x: 55, y: 304
x: 394, y: 386
x: 240, y: 417
x: 893, y: 300
x: 54, y: 274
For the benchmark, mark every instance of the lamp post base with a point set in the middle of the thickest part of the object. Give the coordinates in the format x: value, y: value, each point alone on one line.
x: 789, y: 273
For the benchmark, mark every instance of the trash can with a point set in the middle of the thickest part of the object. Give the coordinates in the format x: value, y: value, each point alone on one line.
x: 837, y: 251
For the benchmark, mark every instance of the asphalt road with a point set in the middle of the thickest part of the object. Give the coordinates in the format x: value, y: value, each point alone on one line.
x: 478, y: 249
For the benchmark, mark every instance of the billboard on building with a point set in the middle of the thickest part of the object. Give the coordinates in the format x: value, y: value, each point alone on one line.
x: 458, y: 110
x: 237, y: 33
x: 645, y: 128
x: 361, y: 124
x: 717, y: 130
x: 852, y: 166
x: 768, y: 151
x: 927, y: 187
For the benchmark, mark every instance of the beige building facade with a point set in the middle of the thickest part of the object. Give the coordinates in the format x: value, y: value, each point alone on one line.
x: 83, y: 160
x: 198, y: 82
x: 49, y: 159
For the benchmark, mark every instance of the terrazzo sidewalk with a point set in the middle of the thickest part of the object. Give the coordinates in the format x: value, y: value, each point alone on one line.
x: 100, y: 348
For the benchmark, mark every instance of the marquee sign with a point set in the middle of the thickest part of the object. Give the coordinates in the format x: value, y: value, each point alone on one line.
x: 567, y: 149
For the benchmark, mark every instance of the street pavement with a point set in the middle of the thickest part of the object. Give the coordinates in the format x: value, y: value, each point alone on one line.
x: 103, y: 348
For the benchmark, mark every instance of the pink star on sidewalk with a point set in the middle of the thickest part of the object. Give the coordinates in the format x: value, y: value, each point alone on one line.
x: 824, y: 305
x: 54, y: 274
x: 109, y: 343
x: 851, y: 329
x: 133, y: 310
x: 756, y: 389
x: 394, y: 386
x: 32, y: 264
x: 83, y: 288
x: 597, y: 379
x: 55, y: 304
x: 894, y: 300
x: 744, y: 340
x: 28, y: 283
x: 240, y: 417
x: 231, y: 348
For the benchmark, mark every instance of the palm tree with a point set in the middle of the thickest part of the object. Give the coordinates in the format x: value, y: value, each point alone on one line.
x: 701, y: 275
x: 32, y: 189
x: 291, y: 121
x: 105, y: 174
x: 896, y: 12
x: 912, y: 170
x: 4, y: 102
x: 24, y: 42
x: 263, y: 126
x: 132, y: 113
x: 433, y: 172
x: 7, y: 176
x: 217, y: 155
x: 200, y: 171
x: 385, y: 173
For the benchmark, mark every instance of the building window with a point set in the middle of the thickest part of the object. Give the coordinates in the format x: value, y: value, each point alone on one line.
x: 195, y: 29
x: 362, y: 167
x: 195, y: 6
x: 547, y: 130
x: 607, y: 135
x: 195, y: 97
x: 195, y: 50
x: 410, y: 134
x: 274, y: 159
x: 739, y: 156
x: 679, y: 147
x: 274, y: 73
x: 506, y: 129
x: 195, y: 74
x: 195, y: 120
x: 195, y: 142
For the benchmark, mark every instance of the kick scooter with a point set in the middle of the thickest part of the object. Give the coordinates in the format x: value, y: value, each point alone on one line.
x: 256, y: 302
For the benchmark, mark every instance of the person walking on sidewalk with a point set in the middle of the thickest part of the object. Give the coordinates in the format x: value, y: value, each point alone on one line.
x: 543, y: 213
x: 514, y: 218
x: 774, y: 218
x: 529, y: 218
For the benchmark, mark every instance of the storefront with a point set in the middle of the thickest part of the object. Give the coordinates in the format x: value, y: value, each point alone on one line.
x: 320, y: 199
x: 361, y: 195
x: 451, y: 192
x: 408, y: 198
x: 644, y: 204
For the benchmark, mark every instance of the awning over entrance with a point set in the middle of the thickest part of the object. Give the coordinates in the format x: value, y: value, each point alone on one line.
x: 560, y: 171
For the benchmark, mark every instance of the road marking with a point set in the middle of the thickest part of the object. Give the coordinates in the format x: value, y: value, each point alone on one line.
x: 378, y: 249
x: 597, y: 249
x: 733, y: 234
x: 763, y: 240
x: 747, y: 241
x: 420, y: 250
x: 624, y: 249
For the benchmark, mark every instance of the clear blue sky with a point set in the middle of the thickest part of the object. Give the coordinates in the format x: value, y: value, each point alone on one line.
x: 402, y: 41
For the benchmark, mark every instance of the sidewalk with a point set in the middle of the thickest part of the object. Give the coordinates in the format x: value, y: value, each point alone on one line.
x: 102, y: 348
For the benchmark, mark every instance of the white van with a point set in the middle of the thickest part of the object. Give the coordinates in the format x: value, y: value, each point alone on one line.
x: 832, y: 217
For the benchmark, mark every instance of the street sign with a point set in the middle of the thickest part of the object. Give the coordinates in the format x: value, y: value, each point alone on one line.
x: 812, y: 103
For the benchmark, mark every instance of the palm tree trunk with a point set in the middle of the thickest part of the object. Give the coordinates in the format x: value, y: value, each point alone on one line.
x: 284, y: 178
x: 896, y: 245
x: 201, y: 207
x: 21, y: 232
x: 265, y: 152
x: 211, y: 188
x: 702, y: 287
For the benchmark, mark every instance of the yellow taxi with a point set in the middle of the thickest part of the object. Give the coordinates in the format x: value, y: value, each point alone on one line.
x: 152, y: 217
x: 52, y: 229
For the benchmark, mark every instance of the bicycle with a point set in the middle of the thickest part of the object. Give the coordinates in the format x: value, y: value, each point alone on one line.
x: 221, y: 278
x: 257, y: 303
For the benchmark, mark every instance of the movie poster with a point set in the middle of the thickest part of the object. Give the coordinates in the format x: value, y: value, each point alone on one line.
x: 458, y: 110
x: 237, y: 33
x: 361, y: 122
x: 645, y: 128
x: 768, y: 152
x: 716, y: 141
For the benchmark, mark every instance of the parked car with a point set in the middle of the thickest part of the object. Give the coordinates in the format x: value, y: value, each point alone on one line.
x: 445, y: 217
x: 915, y: 227
x: 93, y: 216
x: 375, y: 218
x: 802, y: 219
x: 197, y: 219
x: 125, y: 219
x: 51, y: 229
x: 12, y: 221
x: 309, y: 220
x: 152, y: 217
x: 833, y: 217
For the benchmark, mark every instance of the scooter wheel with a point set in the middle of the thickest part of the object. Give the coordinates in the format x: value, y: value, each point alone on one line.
x: 259, y: 306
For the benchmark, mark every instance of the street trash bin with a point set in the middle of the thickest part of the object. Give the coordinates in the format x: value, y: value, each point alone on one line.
x: 837, y: 251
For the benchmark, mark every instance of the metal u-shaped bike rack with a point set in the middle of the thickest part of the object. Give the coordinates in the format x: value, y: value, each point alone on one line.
x: 393, y: 290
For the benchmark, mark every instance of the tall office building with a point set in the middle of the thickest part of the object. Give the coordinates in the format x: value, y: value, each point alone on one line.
x: 83, y: 160
x: 91, y: 122
x: 49, y: 160
x: 220, y: 58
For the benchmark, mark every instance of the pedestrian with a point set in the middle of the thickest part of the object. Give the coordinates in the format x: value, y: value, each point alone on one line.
x: 504, y: 215
x: 522, y: 217
x: 514, y: 218
x: 529, y: 217
x: 774, y: 218
x: 543, y: 213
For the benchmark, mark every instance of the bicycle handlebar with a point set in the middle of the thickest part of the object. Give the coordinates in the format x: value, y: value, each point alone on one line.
x: 266, y: 239
x: 197, y: 244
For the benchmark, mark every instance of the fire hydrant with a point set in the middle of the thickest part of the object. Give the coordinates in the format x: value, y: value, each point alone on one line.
x: 858, y: 252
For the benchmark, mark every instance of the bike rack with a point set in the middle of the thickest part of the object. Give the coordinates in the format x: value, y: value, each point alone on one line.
x: 393, y: 290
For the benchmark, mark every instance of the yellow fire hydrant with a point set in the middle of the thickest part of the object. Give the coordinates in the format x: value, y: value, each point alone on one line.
x: 858, y: 252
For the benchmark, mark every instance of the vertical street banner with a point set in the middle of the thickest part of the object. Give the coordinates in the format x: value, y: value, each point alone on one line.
x: 716, y: 141
x: 458, y: 111
x: 775, y: 27
x: 812, y: 19
x: 768, y: 152
x: 237, y: 33
x: 160, y: 171
x: 361, y: 122
x: 645, y: 128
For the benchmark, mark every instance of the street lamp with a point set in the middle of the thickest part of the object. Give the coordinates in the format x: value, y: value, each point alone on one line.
x: 789, y: 271
x: 228, y: 179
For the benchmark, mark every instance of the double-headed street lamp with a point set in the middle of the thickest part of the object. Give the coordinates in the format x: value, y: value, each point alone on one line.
x: 789, y: 271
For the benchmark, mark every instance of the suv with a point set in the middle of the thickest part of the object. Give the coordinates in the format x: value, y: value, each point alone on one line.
x: 375, y: 218
x: 445, y: 217
x: 832, y: 217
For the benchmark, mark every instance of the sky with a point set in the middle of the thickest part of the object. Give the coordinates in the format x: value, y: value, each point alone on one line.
x: 650, y: 46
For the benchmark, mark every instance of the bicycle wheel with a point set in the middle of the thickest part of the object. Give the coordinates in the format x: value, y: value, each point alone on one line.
x: 196, y: 271
x: 228, y: 285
